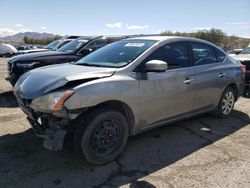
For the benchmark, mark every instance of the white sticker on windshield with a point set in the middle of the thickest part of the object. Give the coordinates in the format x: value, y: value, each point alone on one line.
x: 82, y: 40
x: 132, y: 44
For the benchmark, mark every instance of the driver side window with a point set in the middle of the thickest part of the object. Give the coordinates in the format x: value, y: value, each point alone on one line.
x: 175, y: 54
x: 203, y: 54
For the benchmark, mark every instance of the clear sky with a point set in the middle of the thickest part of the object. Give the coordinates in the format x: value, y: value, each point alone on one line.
x: 89, y: 17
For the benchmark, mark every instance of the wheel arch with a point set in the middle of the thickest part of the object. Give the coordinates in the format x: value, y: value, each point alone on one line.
x: 119, y: 106
x: 235, y: 88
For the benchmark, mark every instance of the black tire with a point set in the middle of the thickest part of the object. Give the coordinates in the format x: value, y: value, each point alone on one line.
x: 101, y: 136
x: 220, y: 111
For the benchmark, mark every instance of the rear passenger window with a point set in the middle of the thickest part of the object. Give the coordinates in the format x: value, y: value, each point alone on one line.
x: 203, y: 54
x: 220, y: 55
x: 175, y: 54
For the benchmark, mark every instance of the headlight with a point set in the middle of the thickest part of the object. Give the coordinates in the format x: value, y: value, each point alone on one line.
x: 27, y: 65
x: 51, y: 101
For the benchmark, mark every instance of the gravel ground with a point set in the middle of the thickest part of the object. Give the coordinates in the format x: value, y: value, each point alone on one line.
x: 198, y: 152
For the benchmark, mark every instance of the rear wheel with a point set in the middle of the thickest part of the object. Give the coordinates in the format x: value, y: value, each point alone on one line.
x: 103, y: 137
x: 226, y: 103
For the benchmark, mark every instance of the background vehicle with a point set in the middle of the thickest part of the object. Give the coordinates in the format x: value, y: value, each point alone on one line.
x: 60, y: 42
x: 70, y: 52
x: 28, y: 49
x: 25, y: 47
x: 7, y: 50
x: 125, y: 88
x: 244, y: 58
x: 235, y: 52
x: 51, y: 46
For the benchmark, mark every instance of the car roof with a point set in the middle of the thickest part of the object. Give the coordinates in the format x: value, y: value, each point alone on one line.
x: 157, y: 38
x: 173, y: 38
x: 164, y: 38
x: 86, y: 37
x: 110, y: 37
x: 152, y: 37
x: 72, y: 37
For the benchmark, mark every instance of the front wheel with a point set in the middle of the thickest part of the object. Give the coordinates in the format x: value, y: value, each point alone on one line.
x: 226, y: 103
x: 103, y: 136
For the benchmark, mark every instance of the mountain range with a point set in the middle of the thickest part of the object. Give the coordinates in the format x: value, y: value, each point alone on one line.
x: 19, y: 36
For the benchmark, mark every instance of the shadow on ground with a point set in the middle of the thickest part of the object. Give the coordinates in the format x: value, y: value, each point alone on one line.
x: 24, y: 162
x: 8, y: 100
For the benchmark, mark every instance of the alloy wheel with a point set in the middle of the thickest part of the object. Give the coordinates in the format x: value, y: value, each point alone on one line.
x: 228, y: 103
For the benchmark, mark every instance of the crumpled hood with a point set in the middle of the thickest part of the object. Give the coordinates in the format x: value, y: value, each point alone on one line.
x: 40, y: 81
x: 242, y: 57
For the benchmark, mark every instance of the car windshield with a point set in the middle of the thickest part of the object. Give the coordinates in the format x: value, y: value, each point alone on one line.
x: 52, y: 44
x: 117, y: 54
x: 73, y: 45
x: 246, y: 51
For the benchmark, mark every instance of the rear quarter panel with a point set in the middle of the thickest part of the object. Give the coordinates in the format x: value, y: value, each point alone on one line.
x: 235, y: 75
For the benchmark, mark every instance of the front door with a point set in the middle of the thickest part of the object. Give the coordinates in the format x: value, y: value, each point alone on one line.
x: 169, y: 94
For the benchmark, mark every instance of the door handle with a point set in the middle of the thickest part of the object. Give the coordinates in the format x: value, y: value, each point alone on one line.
x: 220, y: 75
x: 188, y: 81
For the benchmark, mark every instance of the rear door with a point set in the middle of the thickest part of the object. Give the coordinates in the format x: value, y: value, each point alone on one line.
x: 165, y: 95
x: 209, y: 74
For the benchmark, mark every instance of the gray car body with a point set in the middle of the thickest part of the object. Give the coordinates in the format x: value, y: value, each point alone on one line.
x: 153, y: 98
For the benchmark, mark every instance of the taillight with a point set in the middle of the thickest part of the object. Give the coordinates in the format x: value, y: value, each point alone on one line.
x: 243, y: 68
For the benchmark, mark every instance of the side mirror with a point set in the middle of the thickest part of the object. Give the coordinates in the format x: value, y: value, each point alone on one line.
x: 85, y: 51
x: 156, y: 66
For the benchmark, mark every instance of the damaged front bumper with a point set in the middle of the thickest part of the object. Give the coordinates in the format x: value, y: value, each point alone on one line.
x: 50, y: 128
x: 52, y: 138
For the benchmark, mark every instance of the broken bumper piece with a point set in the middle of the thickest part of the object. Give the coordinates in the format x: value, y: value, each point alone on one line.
x: 52, y: 138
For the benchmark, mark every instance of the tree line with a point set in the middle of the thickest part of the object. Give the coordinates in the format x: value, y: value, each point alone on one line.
x: 44, y: 41
x: 216, y: 36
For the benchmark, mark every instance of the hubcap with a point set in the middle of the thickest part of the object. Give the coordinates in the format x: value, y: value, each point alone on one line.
x: 227, y: 103
x: 105, y: 137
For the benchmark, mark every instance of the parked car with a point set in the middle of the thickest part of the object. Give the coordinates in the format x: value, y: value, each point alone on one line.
x: 7, y: 50
x: 26, y: 50
x: 235, y: 52
x: 24, y: 47
x: 56, y: 44
x: 61, y: 42
x: 70, y: 52
x: 244, y: 58
x: 127, y: 87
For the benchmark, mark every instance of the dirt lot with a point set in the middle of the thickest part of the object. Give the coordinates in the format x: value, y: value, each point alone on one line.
x: 199, y: 152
